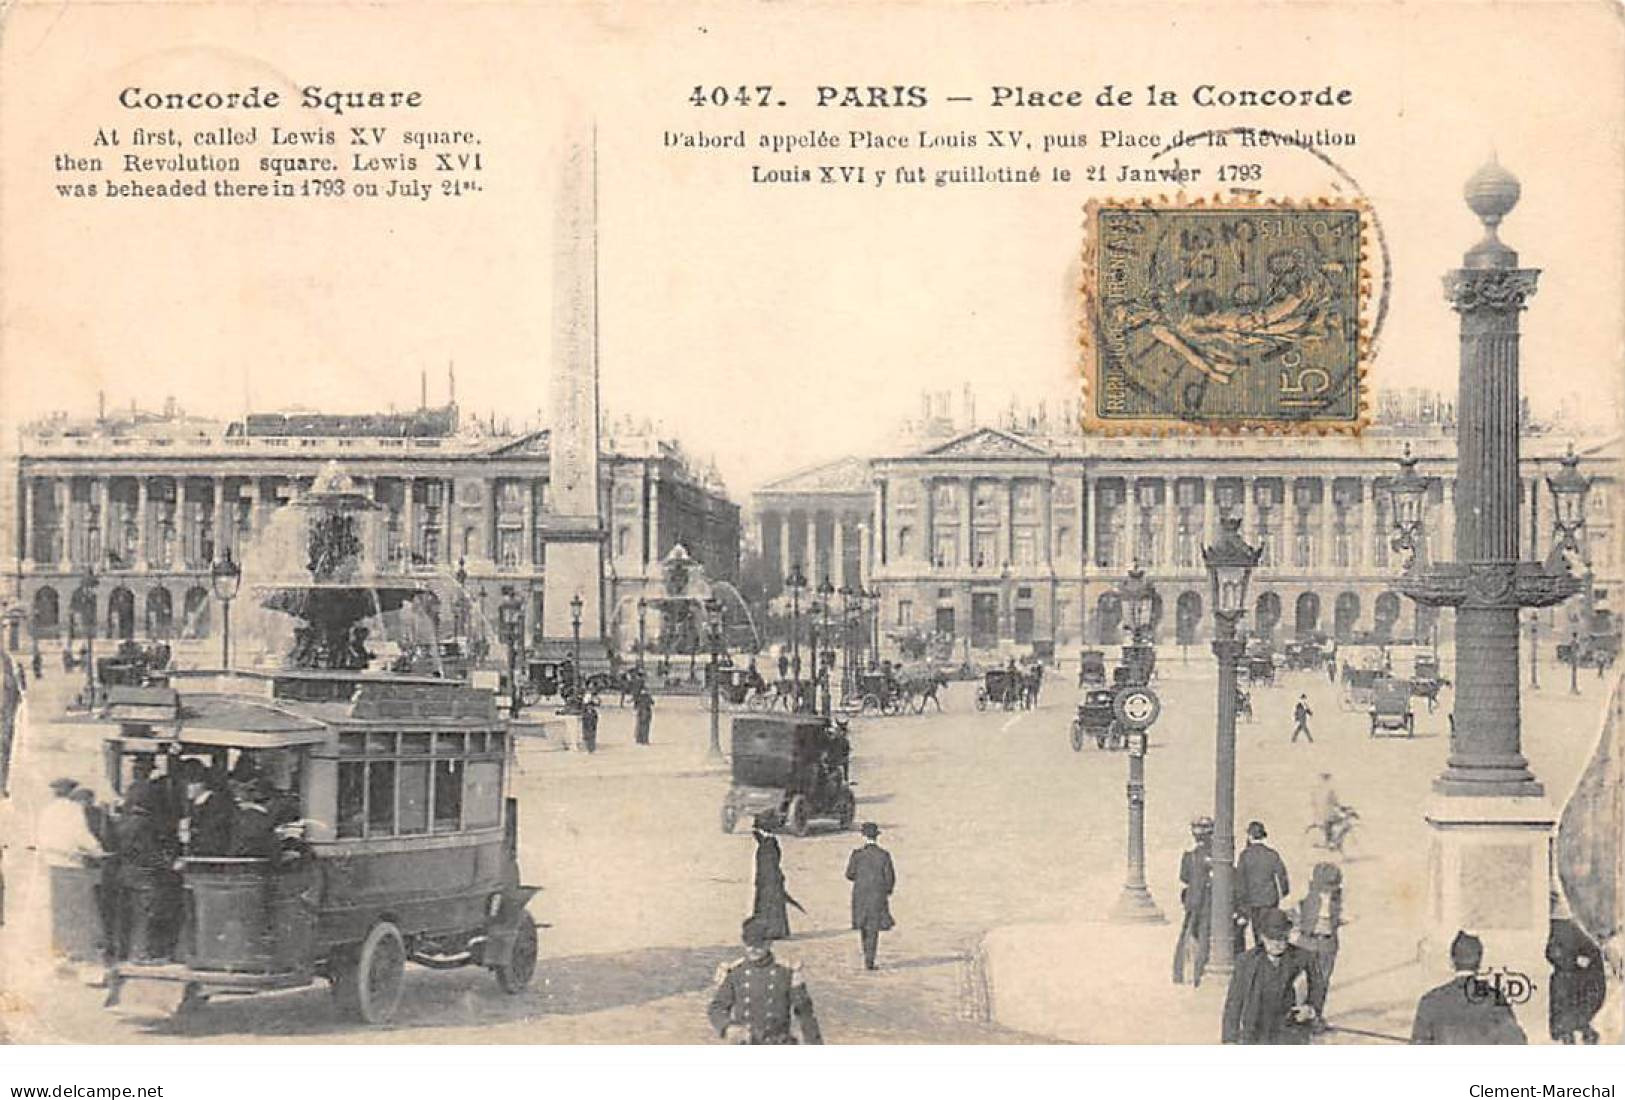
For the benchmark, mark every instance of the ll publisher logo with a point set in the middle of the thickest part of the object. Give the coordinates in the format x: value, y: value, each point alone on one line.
x: 1502, y: 986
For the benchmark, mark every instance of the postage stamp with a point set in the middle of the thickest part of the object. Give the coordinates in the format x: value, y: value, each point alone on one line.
x: 1208, y: 315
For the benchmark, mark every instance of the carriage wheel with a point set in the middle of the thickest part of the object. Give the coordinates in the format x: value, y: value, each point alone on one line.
x: 730, y: 817
x: 514, y: 975
x: 1077, y: 735
x: 892, y: 706
x: 870, y: 704
x: 369, y: 981
x: 795, y: 816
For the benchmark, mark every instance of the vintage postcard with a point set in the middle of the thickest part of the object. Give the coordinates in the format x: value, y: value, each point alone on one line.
x: 737, y: 523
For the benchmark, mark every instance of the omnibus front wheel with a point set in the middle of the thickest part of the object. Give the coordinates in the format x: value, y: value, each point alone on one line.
x: 514, y: 975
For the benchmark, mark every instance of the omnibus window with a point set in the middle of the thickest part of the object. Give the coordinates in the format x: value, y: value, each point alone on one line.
x: 448, y: 795
x: 381, y: 798
x: 414, y: 744
x: 380, y: 744
x: 352, y: 744
x: 352, y: 799
x: 448, y: 744
x: 484, y: 798
x: 414, y: 796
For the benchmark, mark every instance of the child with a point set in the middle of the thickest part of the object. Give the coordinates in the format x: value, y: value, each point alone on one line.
x: 1320, y: 914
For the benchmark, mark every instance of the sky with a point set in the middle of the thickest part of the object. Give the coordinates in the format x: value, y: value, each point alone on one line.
x: 767, y: 326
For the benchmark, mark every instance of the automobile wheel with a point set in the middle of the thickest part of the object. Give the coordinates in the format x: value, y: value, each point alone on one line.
x: 521, y: 965
x: 368, y: 981
x: 848, y: 811
x: 1077, y: 736
x: 795, y: 816
x: 730, y: 817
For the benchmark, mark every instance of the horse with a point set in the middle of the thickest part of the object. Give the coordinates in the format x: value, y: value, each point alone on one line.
x: 1031, y: 683
x: 922, y: 688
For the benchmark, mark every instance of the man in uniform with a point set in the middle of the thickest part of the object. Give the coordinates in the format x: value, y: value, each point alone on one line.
x: 757, y: 998
x: 873, y: 880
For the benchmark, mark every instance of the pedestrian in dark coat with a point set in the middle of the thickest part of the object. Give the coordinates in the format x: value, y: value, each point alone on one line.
x: 644, y: 704
x: 772, y: 893
x: 1196, y: 895
x: 1300, y: 720
x: 873, y: 880
x: 1465, y: 1010
x: 758, y: 1000
x: 1320, y: 915
x: 1274, y: 989
x: 589, y: 725
x: 1261, y: 879
x: 1579, y: 982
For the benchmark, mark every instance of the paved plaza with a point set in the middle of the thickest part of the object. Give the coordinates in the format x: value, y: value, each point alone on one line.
x: 1009, y: 849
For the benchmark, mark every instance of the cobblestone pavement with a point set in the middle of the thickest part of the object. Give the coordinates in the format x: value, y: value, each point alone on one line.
x: 991, y: 817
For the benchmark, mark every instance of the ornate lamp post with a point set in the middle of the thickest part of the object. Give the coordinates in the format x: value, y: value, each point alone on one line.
x: 821, y: 671
x: 713, y: 631
x: 226, y: 577
x: 1569, y: 489
x: 1230, y: 563
x: 796, y: 582
x: 643, y: 616
x: 461, y: 611
x: 1137, y: 708
x: 1138, y: 596
x: 575, y: 634
x: 1489, y: 821
x: 848, y: 646
x: 511, y: 617
x: 1408, y: 492
x: 88, y: 587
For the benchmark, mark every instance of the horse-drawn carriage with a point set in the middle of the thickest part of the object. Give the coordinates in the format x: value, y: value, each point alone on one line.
x: 1426, y: 680
x: 1091, y: 668
x: 1307, y: 654
x: 1260, y: 662
x: 1009, y: 688
x: 133, y: 665
x: 1390, y: 707
x: 1097, y: 718
x: 793, y: 767
x: 1597, y: 647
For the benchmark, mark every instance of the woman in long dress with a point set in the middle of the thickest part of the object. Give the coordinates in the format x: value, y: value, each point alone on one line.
x: 771, y: 894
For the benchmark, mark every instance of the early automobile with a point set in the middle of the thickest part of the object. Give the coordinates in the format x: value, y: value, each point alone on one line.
x: 1307, y: 653
x: 792, y: 767
x: 1260, y: 662
x: 1391, y: 707
x: 1091, y: 668
x: 1095, y: 718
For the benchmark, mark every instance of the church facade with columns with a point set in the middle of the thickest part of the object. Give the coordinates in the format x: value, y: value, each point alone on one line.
x: 150, y: 500
x: 995, y: 536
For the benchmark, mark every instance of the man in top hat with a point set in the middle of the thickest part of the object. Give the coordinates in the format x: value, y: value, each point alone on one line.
x: 1261, y: 879
x: 758, y: 998
x: 1465, y: 1010
x: 1274, y: 988
x: 873, y: 879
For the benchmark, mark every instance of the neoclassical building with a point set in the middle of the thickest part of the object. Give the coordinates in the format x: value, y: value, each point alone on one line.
x: 997, y: 535
x: 151, y: 500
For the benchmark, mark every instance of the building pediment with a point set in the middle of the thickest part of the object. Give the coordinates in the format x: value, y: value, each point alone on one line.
x: 531, y: 444
x: 988, y: 443
x: 844, y: 475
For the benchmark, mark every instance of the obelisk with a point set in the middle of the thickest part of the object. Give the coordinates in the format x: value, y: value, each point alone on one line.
x: 573, y: 528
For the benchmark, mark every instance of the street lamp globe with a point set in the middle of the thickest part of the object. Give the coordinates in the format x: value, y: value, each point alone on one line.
x: 1230, y: 563
x: 1409, y: 494
x: 1569, y: 488
x: 226, y: 577
x: 575, y: 609
x: 826, y: 590
x: 797, y: 580
x: 1136, y: 595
